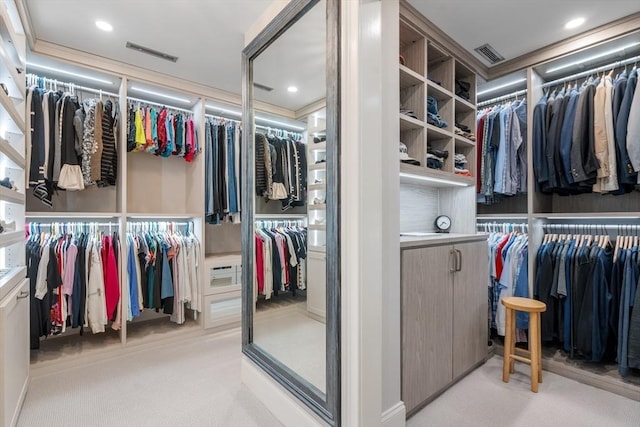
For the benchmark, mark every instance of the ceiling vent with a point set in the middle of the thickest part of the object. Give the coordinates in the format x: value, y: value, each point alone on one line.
x: 152, y: 52
x: 262, y: 87
x: 489, y: 53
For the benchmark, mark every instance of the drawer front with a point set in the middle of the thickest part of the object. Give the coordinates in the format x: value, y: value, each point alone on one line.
x: 221, y: 279
x: 222, y: 309
x: 239, y: 274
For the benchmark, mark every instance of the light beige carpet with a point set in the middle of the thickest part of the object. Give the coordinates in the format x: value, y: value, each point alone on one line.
x: 482, y: 399
x: 191, y: 383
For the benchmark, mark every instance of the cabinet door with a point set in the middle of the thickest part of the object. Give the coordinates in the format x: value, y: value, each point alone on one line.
x: 427, y: 291
x: 317, y: 283
x: 14, y: 353
x: 470, y: 325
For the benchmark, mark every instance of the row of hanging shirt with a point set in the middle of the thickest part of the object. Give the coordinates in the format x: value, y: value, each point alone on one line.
x: 72, y: 143
x: 280, y: 258
x: 161, y: 132
x: 281, y: 169
x: 222, y: 169
x: 163, y: 272
x: 501, y: 135
x: 590, y: 287
x: 587, y: 139
x: 508, y: 273
x: 74, y: 280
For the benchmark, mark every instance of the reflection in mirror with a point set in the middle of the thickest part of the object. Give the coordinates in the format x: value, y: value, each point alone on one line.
x: 290, y: 200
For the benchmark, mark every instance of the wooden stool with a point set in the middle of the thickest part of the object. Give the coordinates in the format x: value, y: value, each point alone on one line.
x: 534, y: 308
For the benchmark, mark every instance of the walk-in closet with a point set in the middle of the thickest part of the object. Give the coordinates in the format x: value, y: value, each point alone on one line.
x: 319, y: 212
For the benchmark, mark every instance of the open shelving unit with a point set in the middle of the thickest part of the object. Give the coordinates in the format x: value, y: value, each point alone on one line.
x: 429, y: 71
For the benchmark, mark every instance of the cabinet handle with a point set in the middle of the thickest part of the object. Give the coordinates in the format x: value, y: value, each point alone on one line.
x: 22, y: 294
x: 459, y: 260
x: 452, y: 261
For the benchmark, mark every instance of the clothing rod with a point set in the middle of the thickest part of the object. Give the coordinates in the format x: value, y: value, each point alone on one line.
x: 158, y: 104
x: 213, y: 116
x: 595, y: 70
x: 502, y: 98
x: 284, y: 217
x: 73, y: 86
x: 158, y: 222
x: 92, y: 223
x: 596, y: 227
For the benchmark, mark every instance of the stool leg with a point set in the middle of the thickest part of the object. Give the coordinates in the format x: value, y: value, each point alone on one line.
x: 539, y: 350
x: 508, y: 337
x: 512, y: 334
x: 534, y: 344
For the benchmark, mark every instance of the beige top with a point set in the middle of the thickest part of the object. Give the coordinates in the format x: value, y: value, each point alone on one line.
x: 600, y: 134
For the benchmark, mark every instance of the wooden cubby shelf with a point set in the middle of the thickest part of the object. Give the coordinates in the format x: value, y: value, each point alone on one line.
x: 431, y: 71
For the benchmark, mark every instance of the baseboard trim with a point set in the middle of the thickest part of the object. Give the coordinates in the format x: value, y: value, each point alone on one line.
x: 18, y: 410
x: 395, y: 416
x: 282, y: 404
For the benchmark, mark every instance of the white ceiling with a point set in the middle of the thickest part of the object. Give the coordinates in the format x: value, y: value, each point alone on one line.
x: 206, y: 35
x: 516, y: 27
x: 297, y: 58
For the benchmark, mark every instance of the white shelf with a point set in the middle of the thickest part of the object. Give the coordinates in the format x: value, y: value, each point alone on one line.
x: 318, y: 166
x: 11, y: 196
x: 317, y: 226
x: 12, y: 154
x: 320, y: 146
x: 409, y: 123
x: 11, y: 278
x: 438, y: 91
x: 315, y: 187
x: 10, y: 36
x: 72, y: 215
x: 162, y: 215
x: 461, y: 141
x: 318, y: 207
x: 9, y: 75
x: 9, y: 238
x: 11, y: 109
x: 409, y: 78
x: 432, y: 177
x: 463, y: 105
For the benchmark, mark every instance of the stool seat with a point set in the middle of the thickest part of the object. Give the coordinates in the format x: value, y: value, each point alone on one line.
x: 534, y: 308
x: 524, y: 304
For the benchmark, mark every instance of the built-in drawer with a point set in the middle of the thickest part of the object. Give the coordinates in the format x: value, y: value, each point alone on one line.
x: 221, y: 280
x: 222, y: 309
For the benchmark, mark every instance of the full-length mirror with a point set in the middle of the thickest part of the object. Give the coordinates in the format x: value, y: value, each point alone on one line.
x: 290, y: 227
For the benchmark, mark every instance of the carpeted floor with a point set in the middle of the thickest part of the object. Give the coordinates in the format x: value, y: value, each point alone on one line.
x: 188, y: 383
x: 196, y: 382
x: 482, y: 399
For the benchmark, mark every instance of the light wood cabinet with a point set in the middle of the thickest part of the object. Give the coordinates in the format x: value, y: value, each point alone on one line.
x: 317, y: 283
x: 444, y: 317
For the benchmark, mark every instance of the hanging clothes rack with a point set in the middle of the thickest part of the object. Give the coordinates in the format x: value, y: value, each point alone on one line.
x: 587, y: 73
x: 504, y: 227
x: 72, y: 87
x: 498, y: 99
x: 158, y: 104
x: 213, y: 116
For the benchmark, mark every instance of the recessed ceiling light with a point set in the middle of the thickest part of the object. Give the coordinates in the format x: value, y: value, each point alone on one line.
x: 574, y: 23
x: 104, y: 25
x: 292, y: 89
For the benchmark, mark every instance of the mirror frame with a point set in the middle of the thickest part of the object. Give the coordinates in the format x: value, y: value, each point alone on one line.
x: 326, y: 405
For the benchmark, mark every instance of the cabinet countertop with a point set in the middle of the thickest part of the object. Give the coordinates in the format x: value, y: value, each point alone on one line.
x: 408, y: 242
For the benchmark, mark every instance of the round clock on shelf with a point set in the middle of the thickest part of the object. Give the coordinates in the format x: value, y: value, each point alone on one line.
x: 443, y: 224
